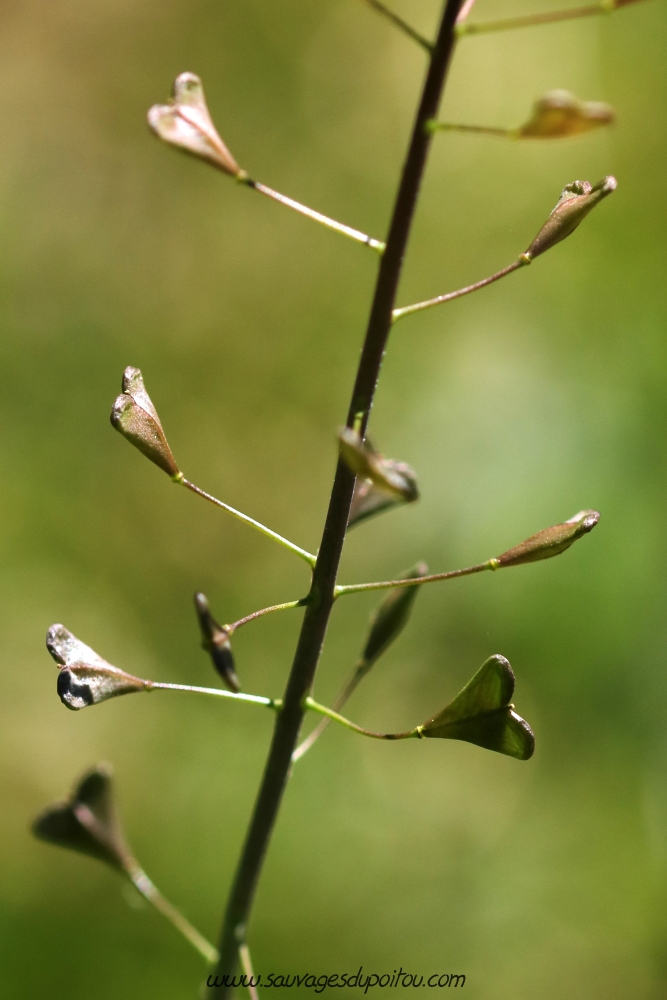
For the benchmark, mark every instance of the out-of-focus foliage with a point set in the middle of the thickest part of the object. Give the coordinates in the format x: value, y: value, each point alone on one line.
x: 541, y: 395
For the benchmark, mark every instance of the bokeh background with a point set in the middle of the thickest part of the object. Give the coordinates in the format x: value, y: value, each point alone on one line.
x: 519, y: 406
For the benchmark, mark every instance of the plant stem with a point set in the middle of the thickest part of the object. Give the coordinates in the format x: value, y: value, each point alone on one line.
x: 401, y: 24
x: 322, y: 597
x: 360, y: 672
x: 256, y: 699
x: 324, y: 220
x: 150, y: 892
x: 285, y: 542
x: 459, y: 293
x: 414, y: 581
x: 230, y: 629
x: 246, y: 965
x: 505, y: 133
x: 314, y: 706
x: 528, y: 20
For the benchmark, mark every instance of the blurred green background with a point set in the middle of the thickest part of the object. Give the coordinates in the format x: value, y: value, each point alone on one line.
x: 519, y: 406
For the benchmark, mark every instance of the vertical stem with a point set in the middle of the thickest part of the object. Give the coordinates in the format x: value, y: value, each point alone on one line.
x: 322, y: 596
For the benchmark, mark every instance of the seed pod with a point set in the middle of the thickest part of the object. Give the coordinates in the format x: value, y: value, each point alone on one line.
x: 186, y: 123
x: 215, y: 640
x: 550, y: 541
x: 390, y: 618
x: 576, y: 201
x: 368, y: 500
x: 392, y: 478
x: 560, y: 114
x: 482, y: 713
x: 85, y: 678
x: 136, y: 418
x: 88, y: 822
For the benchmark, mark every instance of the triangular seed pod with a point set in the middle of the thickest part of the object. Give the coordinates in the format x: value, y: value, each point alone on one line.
x: 85, y: 678
x: 368, y: 500
x: 186, y: 123
x: 88, y: 822
x: 576, y: 201
x: 482, y: 713
x: 560, y: 114
x: 390, y: 618
x: 387, y: 476
x: 215, y: 640
x: 550, y: 541
x: 136, y: 418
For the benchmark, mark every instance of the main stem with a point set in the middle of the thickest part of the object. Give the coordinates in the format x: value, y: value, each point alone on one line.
x: 322, y: 595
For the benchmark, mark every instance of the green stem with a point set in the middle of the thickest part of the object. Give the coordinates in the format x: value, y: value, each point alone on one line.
x: 324, y: 220
x: 506, y: 133
x: 246, y: 965
x: 358, y: 588
x: 460, y: 292
x: 285, y: 542
x: 151, y: 893
x: 529, y: 20
x: 264, y: 611
x: 314, y: 706
x: 401, y: 24
x: 359, y: 673
x: 255, y: 699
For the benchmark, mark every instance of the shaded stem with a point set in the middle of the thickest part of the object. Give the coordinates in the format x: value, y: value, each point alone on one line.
x: 256, y: 699
x: 314, y: 706
x: 460, y: 292
x: 359, y: 673
x: 505, y: 133
x: 246, y: 965
x: 151, y: 893
x: 322, y: 596
x: 401, y: 24
x: 307, y: 556
x: 528, y: 20
x: 324, y: 220
x: 415, y: 581
x: 230, y: 629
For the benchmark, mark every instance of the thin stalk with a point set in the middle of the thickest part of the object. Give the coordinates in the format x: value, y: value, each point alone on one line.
x: 464, y: 13
x: 358, y: 588
x: 359, y: 673
x: 322, y: 597
x: 285, y: 542
x: 324, y: 220
x: 314, y: 706
x: 255, y: 699
x: 503, y: 133
x: 529, y: 20
x: 264, y: 611
x: 246, y: 965
x: 460, y: 292
x: 151, y: 893
x: 401, y: 24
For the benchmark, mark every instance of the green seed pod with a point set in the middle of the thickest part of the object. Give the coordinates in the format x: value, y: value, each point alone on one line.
x: 215, y: 640
x: 391, y: 478
x: 560, y: 114
x: 186, y: 123
x: 88, y: 822
x: 85, y: 678
x: 550, y: 541
x: 135, y: 417
x: 576, y: 201
x: 482, y: 713
x: 390, y: 618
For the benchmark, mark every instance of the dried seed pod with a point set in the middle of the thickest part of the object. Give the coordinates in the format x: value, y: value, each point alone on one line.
x: 186, y: 123
x: 88, y: 822
x: 136, y: 418
x: 85, y: 678
x: 560, y: 114
x: 368, y: 500
x: 215, y: 640
x: 391, y: 478
x: 482, y: 713
x: 390, y: 618
x: 576, y: 201
x: 550, y: 541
